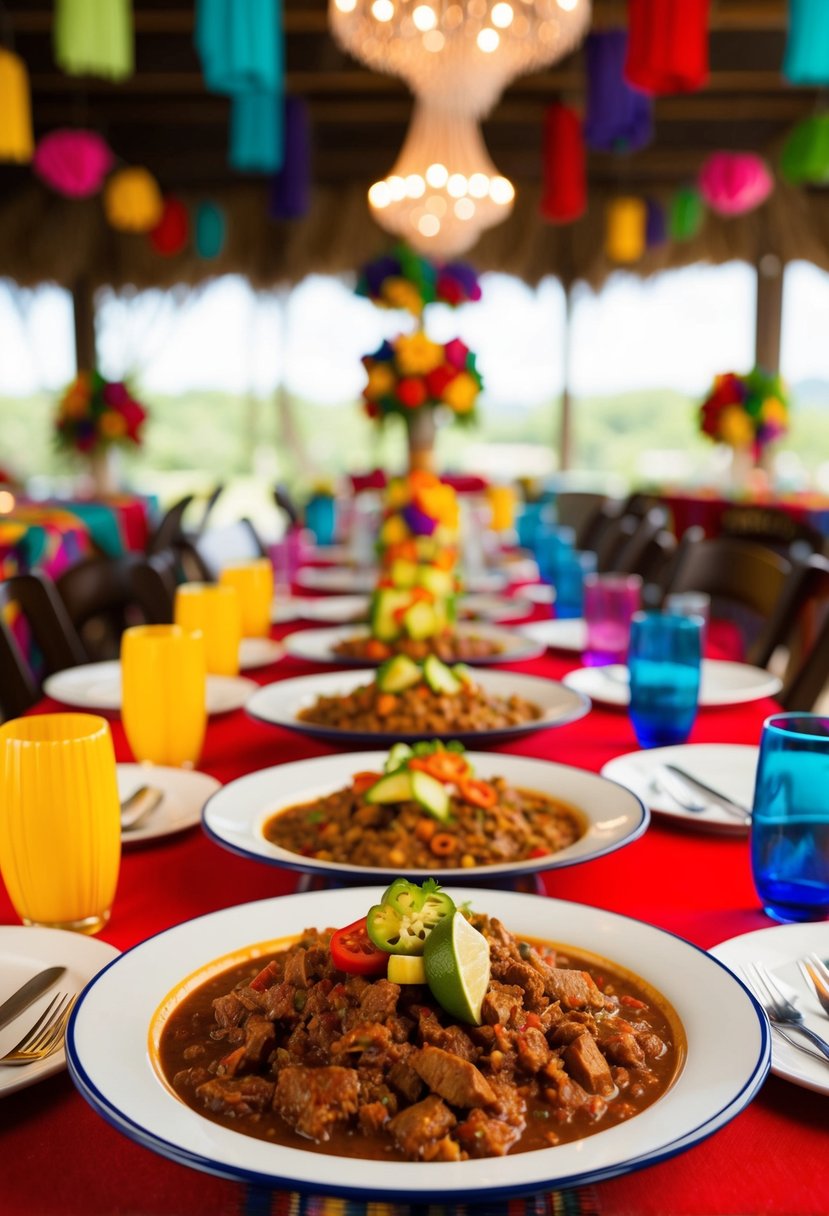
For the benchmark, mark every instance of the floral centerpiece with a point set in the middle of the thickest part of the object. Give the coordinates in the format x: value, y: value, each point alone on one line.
x: 746, y: 412
x: 412, y: 376
x: 93, y: 416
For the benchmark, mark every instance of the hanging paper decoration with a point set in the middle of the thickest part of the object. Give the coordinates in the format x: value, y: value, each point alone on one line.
x: 626, y: 226
x: 16, y: 139
x: 170, y: 234
x: 564, y: 192
x: 667, y: 45
x: 686, y: 215
x: 240, y: 45
x: 290, y: 195
x: 256, y: 133
x: 656, y: 226
x: 618, y: 118
x: 805, y: 156
x: 94, y: 38
x: 733, y: 183
x: 210, y: 230
x: 73, y: 163
x: 132, y: 200
x: 806, y: 60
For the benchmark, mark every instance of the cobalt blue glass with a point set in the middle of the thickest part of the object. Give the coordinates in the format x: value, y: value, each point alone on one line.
x: 528, y: 523
x: 790, y: 818
x: 321, y: 518
x: 664, y: 661
x: 552, y: 543
x: 569, y: 582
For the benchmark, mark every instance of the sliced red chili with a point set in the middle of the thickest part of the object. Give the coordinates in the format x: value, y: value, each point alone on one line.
x: 353, y: 951
x: 478, y: 793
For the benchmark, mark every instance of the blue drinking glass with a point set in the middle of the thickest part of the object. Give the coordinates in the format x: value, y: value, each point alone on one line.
x: 321, y: 518
x: 790, y: 819
x: 552, y: 543
x: 664, y: 661
x: 528, y: 523
x: 569, y: 582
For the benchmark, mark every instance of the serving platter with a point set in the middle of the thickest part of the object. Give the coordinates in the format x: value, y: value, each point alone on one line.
x: 722, y: 683
x: 723, y: 1069
x: 97, y: 686
x: 235, y: 815
x: 320, y: 645
x: 730, y: 768
x: 279, y: 704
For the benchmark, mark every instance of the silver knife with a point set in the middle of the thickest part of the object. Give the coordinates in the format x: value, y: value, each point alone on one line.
x: 29, y: 993
x: 728, y: 804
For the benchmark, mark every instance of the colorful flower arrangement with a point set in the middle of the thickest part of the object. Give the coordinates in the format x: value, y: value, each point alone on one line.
x: 421, y: 520
x: 747, y: 411
x: 404, y: 279
x: 94, y: 413
x: 412, y: 372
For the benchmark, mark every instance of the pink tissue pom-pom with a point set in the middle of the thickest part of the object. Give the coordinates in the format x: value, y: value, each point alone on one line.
x: 73, y: 163
x: 735, y: 182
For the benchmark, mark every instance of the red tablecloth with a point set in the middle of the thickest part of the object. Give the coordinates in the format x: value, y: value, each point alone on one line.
x: 57, y: 1156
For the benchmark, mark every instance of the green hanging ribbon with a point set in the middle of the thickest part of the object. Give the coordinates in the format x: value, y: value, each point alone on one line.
x: 94, y: 38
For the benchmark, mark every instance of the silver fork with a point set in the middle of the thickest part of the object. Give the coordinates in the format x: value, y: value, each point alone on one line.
x: 46, y: 1036
x: 780, y: 1009
x: 816, y: 974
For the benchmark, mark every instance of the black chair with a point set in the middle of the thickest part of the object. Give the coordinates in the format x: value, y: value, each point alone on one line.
x: 603, y: 520
x: 56, y: 644
x: 219, y: 547
x: 104, y: 596
x: 801, y: 626
x: 645, y: 529
x: 747, y: 583
x: 771, y: 527
x: 170, y: 531
x: 576, y: 509
x: 192, y: 534
x: 286, y: 502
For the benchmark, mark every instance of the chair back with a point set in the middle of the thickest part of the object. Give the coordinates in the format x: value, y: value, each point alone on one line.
x: 171, y: 528
x: 104, y: 596
x: 576, y: 509
x: 53, y: 637
x: 770, y: 526
x: 643, y: 531
x: 801, y: 625
x: 219, y: 547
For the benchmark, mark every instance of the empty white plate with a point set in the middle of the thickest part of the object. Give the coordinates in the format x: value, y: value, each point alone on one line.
x: 723, y: 683
x: 568, y: 635
x: 259, y: 652
x: 185, y: 793
x: 728, y: 767
x: 98, y: 686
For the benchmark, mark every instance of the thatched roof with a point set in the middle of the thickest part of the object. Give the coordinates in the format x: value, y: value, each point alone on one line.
x: 163, y: 118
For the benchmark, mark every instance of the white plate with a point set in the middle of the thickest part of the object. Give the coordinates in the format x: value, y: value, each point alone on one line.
x: 334, y: 609
x: 98, y: 686
x: 722, y: 683
x: 235, y: 816
x: 341, y: 580
x: 539, y: 593
x: 286, y: 608
x: 185, y: 793
x: 259, y: 652
x: 493, y: 608
x: 727, y: 1058
x: 24, y: 951
x: 779, y: 948
x: 279, y: 704
x: 559, y: 635
x: 729, y: 767
x: 319, y: 645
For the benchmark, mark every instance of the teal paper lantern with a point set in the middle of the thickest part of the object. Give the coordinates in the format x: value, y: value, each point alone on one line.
x: 805, y: 156
x: 686, y: 214
x: 210, y: 230
x: 240, y: 44
x: 807, y: 46
x: 257, y: 132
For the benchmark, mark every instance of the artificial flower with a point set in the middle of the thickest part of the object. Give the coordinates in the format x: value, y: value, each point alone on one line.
x: 416, y: 354
x: 460, y: 394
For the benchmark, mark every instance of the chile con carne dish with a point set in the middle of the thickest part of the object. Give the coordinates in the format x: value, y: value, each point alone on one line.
x: 450, y: 646
x: 407, y: 697
x: 320, y: 1048
x: 426, y: 811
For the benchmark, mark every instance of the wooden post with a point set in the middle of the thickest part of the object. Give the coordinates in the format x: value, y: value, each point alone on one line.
x: 769, y: 313
x: 83, y: 311
x: 565, y: 436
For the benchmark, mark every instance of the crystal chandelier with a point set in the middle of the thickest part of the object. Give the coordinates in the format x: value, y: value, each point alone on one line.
x: 459, y: 53
x: 443, y: 190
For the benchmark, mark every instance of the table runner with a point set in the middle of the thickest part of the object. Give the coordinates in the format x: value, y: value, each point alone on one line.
x: 57, y: 1156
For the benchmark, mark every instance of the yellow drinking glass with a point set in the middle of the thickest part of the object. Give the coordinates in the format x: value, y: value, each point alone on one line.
x: 60, y: 823
x: 254, y: 585
x: 215, y: 612
x: 501, y: 501
x: 163, y: 693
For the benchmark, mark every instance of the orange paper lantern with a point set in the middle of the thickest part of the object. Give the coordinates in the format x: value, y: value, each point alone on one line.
x: 132, y: 200
x: 16, y: 140
x: 626, y: 228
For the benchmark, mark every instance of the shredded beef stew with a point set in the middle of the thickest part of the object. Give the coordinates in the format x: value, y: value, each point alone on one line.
x: 293, y: 1051
x: 450, y: 647
x: 419, y: 710
x: 345, y: 827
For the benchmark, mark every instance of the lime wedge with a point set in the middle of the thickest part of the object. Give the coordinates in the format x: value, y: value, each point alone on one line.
x: 456, y: 958
x: 406, y: 969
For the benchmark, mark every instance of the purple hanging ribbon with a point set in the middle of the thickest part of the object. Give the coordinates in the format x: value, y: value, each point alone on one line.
x: 290, y: 194
x: 656, y: 224
x: 618, y: 117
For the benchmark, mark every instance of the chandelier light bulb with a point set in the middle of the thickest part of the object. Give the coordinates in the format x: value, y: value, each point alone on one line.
x: 488, y: 40
x: 382, y: 10
x: 425, y: 18
x: 437, y: 175
x: 501, y: 15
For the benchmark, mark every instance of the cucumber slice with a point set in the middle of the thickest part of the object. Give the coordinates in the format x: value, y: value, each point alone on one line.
x: 399, y: 754
x: 398, y: 674
x: 431, y: 794
x: 439, y: 678
x: 385, y: 604
x: 421, y: 621
x: 396, y: 787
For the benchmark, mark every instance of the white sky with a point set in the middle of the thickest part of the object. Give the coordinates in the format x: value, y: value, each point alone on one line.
x: 673, y: 331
